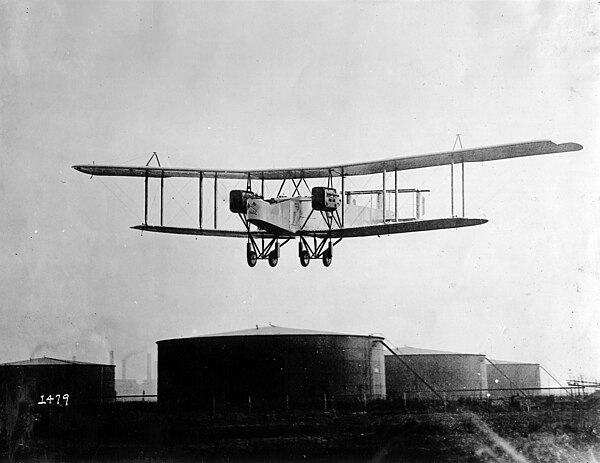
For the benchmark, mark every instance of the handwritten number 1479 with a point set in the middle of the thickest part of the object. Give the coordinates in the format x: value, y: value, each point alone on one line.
x: 49, y: 400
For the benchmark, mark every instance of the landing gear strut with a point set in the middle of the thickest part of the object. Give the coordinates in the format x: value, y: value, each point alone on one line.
x: 322, y: 250
x: 261, y: 249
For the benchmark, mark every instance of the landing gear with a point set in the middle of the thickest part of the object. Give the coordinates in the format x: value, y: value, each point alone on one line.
x: 328, y: 254
x: 273, y: 258
x: 251, y: 256
x: 259, y: 250
x: 322, y: 249
x: 304, y: 258
x: 327, y: 258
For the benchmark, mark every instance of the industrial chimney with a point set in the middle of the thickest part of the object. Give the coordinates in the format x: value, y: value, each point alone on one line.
x: 124, y: 368
x: 111, y: 360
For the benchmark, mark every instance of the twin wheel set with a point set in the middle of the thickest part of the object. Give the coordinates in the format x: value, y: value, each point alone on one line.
x: 305, y: 253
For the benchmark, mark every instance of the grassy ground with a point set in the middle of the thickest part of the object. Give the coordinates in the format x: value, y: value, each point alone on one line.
x: 464, y: 433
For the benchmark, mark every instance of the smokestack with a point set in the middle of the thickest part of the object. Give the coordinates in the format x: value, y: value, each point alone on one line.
x: 124, y: 368
x: 74, y: 358
x: 111, y: 357
x: 149, y: 367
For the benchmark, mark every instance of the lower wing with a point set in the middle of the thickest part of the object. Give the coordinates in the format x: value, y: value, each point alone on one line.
x: 370, y: 230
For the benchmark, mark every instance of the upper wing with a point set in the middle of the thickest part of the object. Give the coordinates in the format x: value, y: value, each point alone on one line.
x: 490, y: 153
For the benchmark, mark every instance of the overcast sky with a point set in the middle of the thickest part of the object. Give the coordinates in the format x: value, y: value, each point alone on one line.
x: 264, y: 84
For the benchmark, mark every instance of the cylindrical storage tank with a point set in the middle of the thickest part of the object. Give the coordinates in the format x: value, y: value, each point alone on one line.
x: 414, y: 372
x: 270, y: 364
x: 72, y: 382
x: 506, y: 379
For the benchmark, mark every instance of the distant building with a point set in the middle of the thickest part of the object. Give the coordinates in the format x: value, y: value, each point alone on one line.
x: 415, y: 370
x: 127, y: 387
x: 131, y: 390
x: 506, y: 379
x: 37, y: 379
x: 270, y: 364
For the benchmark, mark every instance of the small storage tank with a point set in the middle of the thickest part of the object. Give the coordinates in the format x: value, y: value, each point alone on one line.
x: 451, y: 373
x: 507, y: 379
x: 73, y: 382
x: 270, y: 364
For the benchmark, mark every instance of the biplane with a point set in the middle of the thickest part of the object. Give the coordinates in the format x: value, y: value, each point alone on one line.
x: 319, y: 217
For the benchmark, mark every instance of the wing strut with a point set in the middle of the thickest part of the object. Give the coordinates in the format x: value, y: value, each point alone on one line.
x: 396, y: 195
x: 215, y: 205
x: 452, y: 189
x: 383, y: 195
x: 463, y: 188
x: 162, y: 189
x: 146, y: 200
x: 162, y: 186
x: 281, y: 188
x: 458, y: 141
x: 200, y: 177
x: 343, y: 197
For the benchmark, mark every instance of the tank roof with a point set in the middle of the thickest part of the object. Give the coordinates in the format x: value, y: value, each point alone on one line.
x: 273, y: 330
x: 508, y: 362
x: 407, y: 350
x: 49, y: 361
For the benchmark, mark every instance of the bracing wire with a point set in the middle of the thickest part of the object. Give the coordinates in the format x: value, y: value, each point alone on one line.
x: 120, y: 200
x: 174, y: 198
x: 182, y: 206
x: 129, y: 160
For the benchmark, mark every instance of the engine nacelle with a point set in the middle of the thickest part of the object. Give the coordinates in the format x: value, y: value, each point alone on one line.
x: 325, y: 199
x: 238, y: 200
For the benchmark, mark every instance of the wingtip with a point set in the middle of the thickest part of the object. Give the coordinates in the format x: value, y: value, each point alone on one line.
x: 477, y: 221
x: 570, y: 146
x: 80, y: 168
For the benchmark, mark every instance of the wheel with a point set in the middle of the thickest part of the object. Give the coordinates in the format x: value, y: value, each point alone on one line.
x: 327, y: 257
x: 251, y: 258
x: 304, y: 258
x: 273, y: 258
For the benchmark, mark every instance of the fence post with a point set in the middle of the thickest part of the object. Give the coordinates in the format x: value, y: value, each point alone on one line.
x: 325, y: 401
x: 404, y: 397
x: 365, y: 402
x: 249, y: 404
